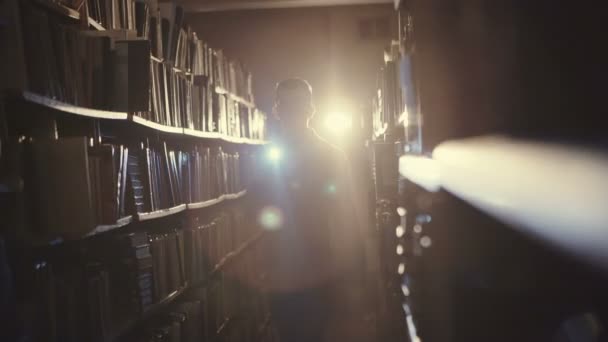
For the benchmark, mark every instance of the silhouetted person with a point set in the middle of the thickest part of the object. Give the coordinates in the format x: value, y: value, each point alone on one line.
x: 309, y: 210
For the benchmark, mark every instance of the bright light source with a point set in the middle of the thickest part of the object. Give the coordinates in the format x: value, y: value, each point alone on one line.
x: 275, y: 153
x: 338, y: 123
x: 271, y: 218
x: 399, y: 231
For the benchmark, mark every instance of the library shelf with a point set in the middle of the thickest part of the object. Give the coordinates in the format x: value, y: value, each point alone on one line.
x: 200, y: 134
x: 68, y: 12
x: 159, y: 127
x: 107, y: 227
x: 236, y: 253
x: 212, y: 202
x: 219, y: 136
x: 153, y: 309
x: 67, y: 108
x: 221, y: 90
x: 71, y: 109
x: 160, y: 213
x: 164, y: 304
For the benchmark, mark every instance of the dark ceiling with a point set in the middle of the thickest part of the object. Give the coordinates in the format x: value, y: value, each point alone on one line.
x: 227, y: 5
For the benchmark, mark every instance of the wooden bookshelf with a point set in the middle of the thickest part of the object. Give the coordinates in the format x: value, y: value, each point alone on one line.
x: 67, y: 108
x: 237, y: 98
x: 71, y: 109
x: 111, y: 179
x: 226, y: 138
x: 105, y: 228
x: 205, y: 204
x: 200, y: 134
x: 167, y: 301
x: 152, y: 310
x: 156, y: 126
x: 160, y: 213
x: 68, y: 12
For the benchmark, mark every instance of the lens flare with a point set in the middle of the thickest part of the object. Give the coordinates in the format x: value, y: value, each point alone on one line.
x: 338, y: 123
x: 271, y: 218
x: 275, y: 154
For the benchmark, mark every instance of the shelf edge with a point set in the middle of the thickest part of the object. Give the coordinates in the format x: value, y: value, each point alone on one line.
x: 151, y: 124
x: 72, y: 109
x: 160, y: 213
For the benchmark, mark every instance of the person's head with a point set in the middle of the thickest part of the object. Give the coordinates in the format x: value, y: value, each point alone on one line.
x: 293, y: 104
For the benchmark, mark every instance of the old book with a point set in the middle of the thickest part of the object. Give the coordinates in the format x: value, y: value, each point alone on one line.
x: 61, y: 165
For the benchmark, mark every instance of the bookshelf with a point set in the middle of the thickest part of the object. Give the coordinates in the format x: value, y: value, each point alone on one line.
x: 68, y: 13
x: 108, y: 227
x: 215, y: 201
x: 134, y: 150
x: 161, y: 213
x: 69, y: 109
x: 239, y: 99
x: 156, y: 126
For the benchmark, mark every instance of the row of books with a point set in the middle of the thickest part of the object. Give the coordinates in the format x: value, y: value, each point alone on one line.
x: 168, y: 260
x: 88, y: 294
x: 193, y: 87
x: 182, y: 100
x: 172, y: 40
x: 95, y: 69
x: 161, y: 177
x: 115, y: 14
x: 395, y: 105
x: 115, y: 181
x: 65, y: 63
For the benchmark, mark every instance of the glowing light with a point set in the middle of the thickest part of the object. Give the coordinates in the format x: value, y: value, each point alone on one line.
x: 275, y: 153
x: 338, y: 123
x: 405, y: 290
x: 401, y: 211
x: 331, y: 188
x: 271, y: 218
x: 399, y: 250
x: 417, y: 229
x: 426, y: 242
x: 401, y: 268
x: 421, y: 170
x: 399, y: 231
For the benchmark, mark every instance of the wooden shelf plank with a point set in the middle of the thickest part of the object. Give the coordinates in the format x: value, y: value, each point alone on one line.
x: 72, y: 109
x: 104, y: 228
x: 68, y: 12
x: 205, y: 204
x: 212, y: 202
x: 160, y: 213
x: 159, y: 127
x: 111, y: 115
x: 150, y: 311
x: 201, y: 134
x: 216, y: 135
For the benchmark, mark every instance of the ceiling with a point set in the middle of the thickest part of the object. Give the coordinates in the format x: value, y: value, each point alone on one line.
x: 230, y: 5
